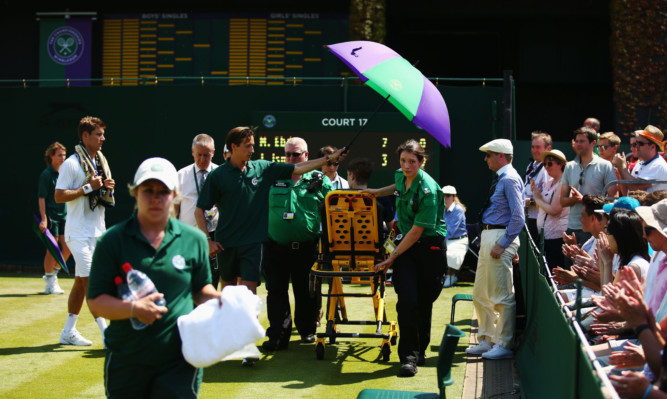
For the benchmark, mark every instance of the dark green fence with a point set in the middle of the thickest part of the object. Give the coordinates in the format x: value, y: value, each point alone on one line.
x: 551, y: 360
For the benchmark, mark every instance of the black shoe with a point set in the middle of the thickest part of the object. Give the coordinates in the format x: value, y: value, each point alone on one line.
x: 407, y: 370
x: 274, y: 345
x: 308, y: 339
x: 421, y: 360
x: 249, y: 361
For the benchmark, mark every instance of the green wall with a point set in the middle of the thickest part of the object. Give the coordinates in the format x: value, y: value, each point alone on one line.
x: 161, y: 121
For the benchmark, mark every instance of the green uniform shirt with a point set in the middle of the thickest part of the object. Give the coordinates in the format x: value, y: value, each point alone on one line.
x: 47, y: 190
x: 294, y: 213
x: 242, y: 200
x: 430, y: 209
x: 179, y: 267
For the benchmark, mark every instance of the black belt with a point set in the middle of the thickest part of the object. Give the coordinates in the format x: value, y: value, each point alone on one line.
x: 456, y: 238
x: 295, y: 245
x: 493, y: 226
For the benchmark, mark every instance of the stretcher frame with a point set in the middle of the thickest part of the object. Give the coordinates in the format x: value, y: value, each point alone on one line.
x: 349, y: 249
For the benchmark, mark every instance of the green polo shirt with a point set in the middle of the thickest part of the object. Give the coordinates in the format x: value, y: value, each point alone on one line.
x: 242, y: 200
x: 179, y: 267
x: 46, y: 189
x: 431, y: 205
x: 294, y: 213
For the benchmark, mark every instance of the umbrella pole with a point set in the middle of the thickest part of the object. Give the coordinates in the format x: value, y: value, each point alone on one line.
x: 361, y: 128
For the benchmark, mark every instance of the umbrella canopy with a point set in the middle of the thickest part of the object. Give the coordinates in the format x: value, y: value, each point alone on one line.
x: 50, y: 243
x: 392, y: 76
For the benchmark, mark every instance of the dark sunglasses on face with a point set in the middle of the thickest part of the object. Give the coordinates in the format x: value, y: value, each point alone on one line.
x: 449, y: 195
x: 638, y: 144
x: 293, y: 154
x: 648, y: 230
x: 552, y: 163
x: 604, y: 147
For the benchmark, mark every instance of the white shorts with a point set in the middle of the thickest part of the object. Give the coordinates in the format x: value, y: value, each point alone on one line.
x: 82, y: 251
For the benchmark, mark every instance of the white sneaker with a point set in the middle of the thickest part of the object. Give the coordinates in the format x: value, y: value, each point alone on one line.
x: 74, y: 338
x: 498, y: 352
x: 453, y: 279
x: 52, y: 287
x: 480, y: 349
x: 447, y: 284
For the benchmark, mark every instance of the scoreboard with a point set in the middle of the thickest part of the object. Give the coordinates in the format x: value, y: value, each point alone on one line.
x: 280, y: 45
x: 377, y: 142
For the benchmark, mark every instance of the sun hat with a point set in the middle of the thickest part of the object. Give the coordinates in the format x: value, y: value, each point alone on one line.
x: 554, y: 153
x: 159, y: 169
x: 654, y: 134
x: 655, y: 216
x: 502, y: 146
x: 449, y: 190
x: 623, y: 202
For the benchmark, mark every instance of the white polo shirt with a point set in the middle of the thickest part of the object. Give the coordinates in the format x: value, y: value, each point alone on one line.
x: 81, y: 221
x: 188, y: 194
x: 655, y: 169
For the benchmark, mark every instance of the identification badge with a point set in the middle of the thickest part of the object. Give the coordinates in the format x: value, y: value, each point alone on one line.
x: 389, y: 245
x: 288, y: 215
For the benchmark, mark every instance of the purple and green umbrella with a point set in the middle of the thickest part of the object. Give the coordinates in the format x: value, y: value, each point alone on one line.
x: 400, y: 83
x: 49, y: 242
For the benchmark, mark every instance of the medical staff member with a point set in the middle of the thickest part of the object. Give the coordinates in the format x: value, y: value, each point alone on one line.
x: 149, y: 363
x: 420, y: 258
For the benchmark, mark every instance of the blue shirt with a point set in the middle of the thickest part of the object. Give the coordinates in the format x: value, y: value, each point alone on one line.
x: 507, y: 203
x: 455, y: 219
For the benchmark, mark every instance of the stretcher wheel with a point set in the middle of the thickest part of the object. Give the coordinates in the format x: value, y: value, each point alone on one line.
x: 393, y: 339
x: 319, y: 351
x: 385, y: 352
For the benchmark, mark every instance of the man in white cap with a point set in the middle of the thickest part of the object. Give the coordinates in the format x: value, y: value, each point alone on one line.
x: 651, y: 165
x: 502, y: 219
x: 586, y: 174
x: 190, y: 182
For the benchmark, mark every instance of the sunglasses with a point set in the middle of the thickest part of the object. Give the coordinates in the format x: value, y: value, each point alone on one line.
x: 449, y: 195
x: 552, y: 163
x: 604, y: 147
x: 581, y: 178
x: 293, y: 154
x: 648, y: 230
x: 638, y: 144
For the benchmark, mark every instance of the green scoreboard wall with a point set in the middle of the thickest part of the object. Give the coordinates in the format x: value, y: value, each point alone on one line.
x: 162, y: 120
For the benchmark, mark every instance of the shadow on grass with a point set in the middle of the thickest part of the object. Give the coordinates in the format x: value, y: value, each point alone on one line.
x: 298, y: 367
x: 22, y: 295
x: 20, y: 350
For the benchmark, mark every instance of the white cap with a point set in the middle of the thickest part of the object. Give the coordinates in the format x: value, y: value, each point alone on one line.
x: 449, y: 190
x: 159, y: 169
x: 502, y: 146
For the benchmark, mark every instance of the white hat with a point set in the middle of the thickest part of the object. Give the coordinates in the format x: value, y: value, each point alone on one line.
x: 225, y: 149
x: 655, y: 216
x: 159, y: 169
x: 449, y: 190
x: 502, y: 146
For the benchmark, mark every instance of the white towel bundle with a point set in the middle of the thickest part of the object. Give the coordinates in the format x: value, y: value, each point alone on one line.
x: 211, y: 333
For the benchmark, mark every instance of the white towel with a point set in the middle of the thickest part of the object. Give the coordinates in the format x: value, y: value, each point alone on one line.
x: 211, y: 333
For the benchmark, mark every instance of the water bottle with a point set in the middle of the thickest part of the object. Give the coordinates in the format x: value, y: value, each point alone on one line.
x: 126, y: 295
x: 140, y: 284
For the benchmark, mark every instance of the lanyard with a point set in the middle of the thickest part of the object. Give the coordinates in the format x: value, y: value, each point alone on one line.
x: 194, y: 171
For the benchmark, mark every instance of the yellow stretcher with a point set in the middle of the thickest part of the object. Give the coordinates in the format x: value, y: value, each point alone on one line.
x: 349, y: 249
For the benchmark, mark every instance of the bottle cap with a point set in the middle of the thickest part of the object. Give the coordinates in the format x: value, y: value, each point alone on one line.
x: 117, y: 280
x: 126, y: 267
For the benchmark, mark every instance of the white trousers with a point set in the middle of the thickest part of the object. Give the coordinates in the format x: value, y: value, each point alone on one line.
x: 493, y: 293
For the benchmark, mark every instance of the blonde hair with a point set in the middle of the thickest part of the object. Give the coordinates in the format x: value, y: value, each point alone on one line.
x: 51, y: 151
x: 458, y: 201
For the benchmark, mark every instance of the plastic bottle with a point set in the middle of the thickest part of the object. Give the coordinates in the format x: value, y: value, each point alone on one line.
x: 126, y: 295
x: 140, y: 284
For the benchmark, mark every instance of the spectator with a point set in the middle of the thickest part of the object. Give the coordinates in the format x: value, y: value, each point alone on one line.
x: 586, y: 174
x: 592, y: 123
x: 633, y: 157
x: 651, y: 166
x: 457, y: 234
x: 552, y: 217
x: 541, y: 141
x: 332, y: 170
x: 608, y: 143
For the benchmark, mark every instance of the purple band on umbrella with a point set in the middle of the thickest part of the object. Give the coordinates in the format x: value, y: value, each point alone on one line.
x: 432, y: 114
x: 361, y: 55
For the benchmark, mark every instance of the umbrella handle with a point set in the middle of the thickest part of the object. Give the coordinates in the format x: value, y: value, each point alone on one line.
x: 361, y: 128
